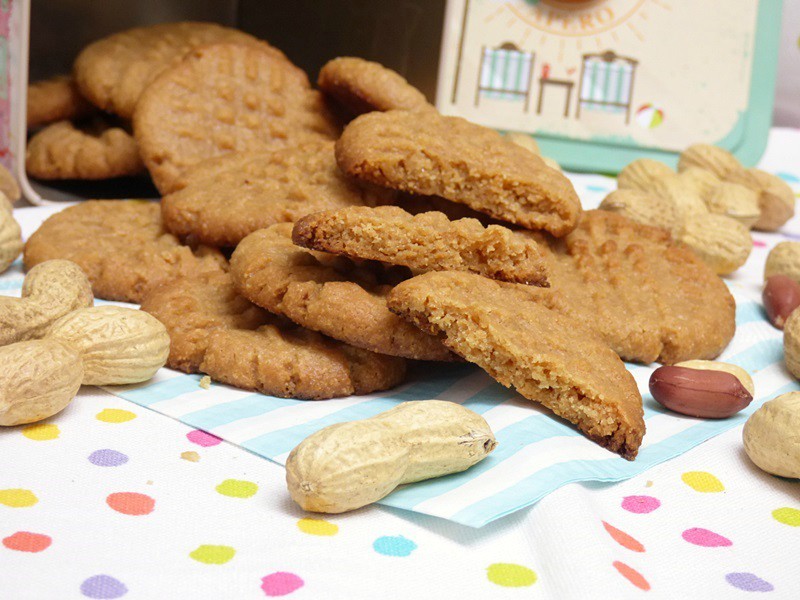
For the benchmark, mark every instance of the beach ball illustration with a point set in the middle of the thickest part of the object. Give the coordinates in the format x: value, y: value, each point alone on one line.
x: 649, y: 117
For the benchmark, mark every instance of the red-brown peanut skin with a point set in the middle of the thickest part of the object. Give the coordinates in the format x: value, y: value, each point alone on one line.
x: 781, y: 296
x: 696, y: 393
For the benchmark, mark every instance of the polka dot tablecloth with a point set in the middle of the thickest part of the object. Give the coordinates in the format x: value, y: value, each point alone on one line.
x: 110, y: 500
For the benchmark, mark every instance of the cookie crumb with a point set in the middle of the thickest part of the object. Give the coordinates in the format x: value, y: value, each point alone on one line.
x: 648, y: 484
x: 191, y: 456
x: 205, y: 382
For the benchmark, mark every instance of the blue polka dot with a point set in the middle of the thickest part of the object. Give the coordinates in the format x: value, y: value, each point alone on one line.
x: 597, y: 188
x: 394, y: 545
x: 788, y: 177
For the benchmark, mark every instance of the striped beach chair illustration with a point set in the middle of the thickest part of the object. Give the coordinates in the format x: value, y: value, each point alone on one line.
x: 506, y: 73
x: 606, y: 83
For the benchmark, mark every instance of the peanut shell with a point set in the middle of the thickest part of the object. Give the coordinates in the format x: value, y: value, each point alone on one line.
x: 644, y: 207
x: 776, y: 201
x: 51, y: 289
x: 349, y: 465
x: 718, y: 161
x: 791, y: 344
x: 770, y: 436
x: 117, y: 345
x: 686, y: 200
x: 703, y: 182
x: 736, y: 202
x: 723, y: 243
x: 784, y: 259
x: 642, y: 174
x: 10, y: 235
x: 9, y: 186
x: 524, y: 140
x: 40, y: 378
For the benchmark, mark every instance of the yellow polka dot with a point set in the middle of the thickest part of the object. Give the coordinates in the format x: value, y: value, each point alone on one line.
x: 317, y: 527
x: 18, y: 498
x: 510, y: 575
x: 701, y: 481
x: 212, y: 555
x: 787, y: 516
x: 237, y: 488
x: 41, y: 432
x: 115, y: 415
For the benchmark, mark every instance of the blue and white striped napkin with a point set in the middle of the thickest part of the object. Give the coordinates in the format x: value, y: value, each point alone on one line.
x: 536, y: 452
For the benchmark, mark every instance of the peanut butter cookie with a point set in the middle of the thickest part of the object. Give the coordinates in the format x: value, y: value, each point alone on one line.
x: 215, y: 331
x: 234, y: 195
x: 425, y: 153
x: 114, y: 71
x: 426, y: 242
x: 547, y: 357
x: 94, y: 150
x: 327, y: 294
x: 222, y: 99
x: 121, y: 246
x: 361, y: 86
x: 55, y: 99
x: 650, y: 298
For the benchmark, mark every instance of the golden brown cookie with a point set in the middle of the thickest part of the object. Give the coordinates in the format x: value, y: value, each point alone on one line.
x: 425, y: 153
x: 93, y: 150
x: 426, y: 242
x: 215, y: 331
x: 547, y: 357
x: 232, y: 196
x: 327, y: 294
x: 121, y: 246
x: 9, y: 186
x: 113, y: 72
x: 222, y: 99
x: 650, y: 298
x: 361, y: 86
x: 55, y: 99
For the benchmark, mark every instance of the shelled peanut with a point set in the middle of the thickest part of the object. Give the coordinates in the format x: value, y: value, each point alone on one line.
x: 52, y: 341
x: 349, y: 465
x: 781, y: 295
x: 702, y: 388
x: 695, y: 209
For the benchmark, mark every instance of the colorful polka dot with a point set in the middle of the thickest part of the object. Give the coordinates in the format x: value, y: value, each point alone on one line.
x: 623, y: 539
x: 115, y: 415
x: 107, y: 458
x: 640, y: 504
x: 280, y: 584
x: 237, y: 488
x: 212, y: 555
x: 632, y: 575
x: 703, y: 537
x: 317, y: 527
x: 18, y: 498
x: 701, y: 481
x: 131, y: 503
x: 394, y: 545
x: 203, y: 438
x: 787, y: 516
x: 748, y: 582
x: 191, y: 456
x: 103, y: 587
x: 26, y: 541
x: 510, y: 575
x: 41, y: 432
x: 759, y: 244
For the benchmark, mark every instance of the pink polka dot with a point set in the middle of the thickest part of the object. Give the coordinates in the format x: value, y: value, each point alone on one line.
x: 759, y: 244
x: 640, y: 504
x: 280, y: 583
x: 203, y: 438
x: 703, y: 537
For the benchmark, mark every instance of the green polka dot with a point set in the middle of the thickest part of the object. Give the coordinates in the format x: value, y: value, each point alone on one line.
x: 510, y: 575
x: 237, y: 488
x: 212, y: 555
x: 787, y: 516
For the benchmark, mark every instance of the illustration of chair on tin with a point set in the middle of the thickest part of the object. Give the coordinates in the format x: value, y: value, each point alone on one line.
x: 606, y: 83
x: 506, y: 73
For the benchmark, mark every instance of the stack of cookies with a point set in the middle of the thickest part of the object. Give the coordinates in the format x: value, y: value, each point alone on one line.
x: 311, y: 241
